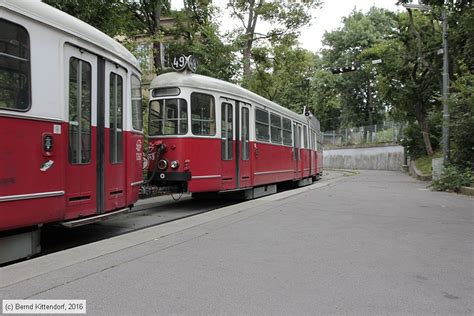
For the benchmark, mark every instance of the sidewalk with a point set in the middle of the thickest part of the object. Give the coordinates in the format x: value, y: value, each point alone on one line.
x: 374, y: 243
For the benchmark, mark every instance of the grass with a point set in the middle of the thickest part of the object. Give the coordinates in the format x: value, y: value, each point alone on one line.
x: 423, y: 163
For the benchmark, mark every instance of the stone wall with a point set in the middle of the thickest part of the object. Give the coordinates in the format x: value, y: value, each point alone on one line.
x: 369, y: 158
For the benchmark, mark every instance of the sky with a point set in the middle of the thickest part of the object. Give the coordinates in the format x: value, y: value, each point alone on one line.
x: 326, y: 18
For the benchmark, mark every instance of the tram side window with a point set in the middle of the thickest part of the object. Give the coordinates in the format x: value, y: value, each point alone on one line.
x: 262, y: 125
x: 275, y: 128
x: 226, y: 131
x: 287, y: 134
x: 136, y: 92
x: 245, y: 134
x: 116, y: 118
x: 168, y: 117
x: 203, y: 114
x: 80, y: 100
x: 14, y: 67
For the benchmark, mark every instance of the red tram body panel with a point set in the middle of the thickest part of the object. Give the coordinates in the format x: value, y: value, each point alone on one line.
x: 70, y: 119
x: 207, y: 135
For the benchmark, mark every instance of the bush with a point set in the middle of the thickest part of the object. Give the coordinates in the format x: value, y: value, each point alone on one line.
x: 452, y: 179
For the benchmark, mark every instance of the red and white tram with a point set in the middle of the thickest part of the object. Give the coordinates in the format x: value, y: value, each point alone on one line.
x: 208, y: 135
x: 70, y: 123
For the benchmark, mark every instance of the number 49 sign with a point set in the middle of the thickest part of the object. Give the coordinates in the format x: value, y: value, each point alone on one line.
x: 180, y: 62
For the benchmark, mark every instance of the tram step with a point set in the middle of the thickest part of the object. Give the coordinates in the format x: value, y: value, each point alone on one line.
x: 21, y: 245
x: 260, y: 191
x: 93, y: 219
x: 304, y: 182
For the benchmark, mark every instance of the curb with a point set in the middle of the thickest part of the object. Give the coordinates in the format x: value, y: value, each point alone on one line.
x: 351, y: 171
x: 467, y: 191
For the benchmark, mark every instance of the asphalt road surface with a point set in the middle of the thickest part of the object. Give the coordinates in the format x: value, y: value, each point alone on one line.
x: 374, y: 243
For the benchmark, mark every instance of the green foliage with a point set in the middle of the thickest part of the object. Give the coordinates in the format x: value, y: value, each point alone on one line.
x: 462, y: 122
x: 413, y: 140
x: 285, y: 76
x: 110, y: 16
x: 452, y: 179
x: 423, y: 164
x: 325, y: 99
x: 284, y: 17
x: 195, y: 33
x: 352, y: 99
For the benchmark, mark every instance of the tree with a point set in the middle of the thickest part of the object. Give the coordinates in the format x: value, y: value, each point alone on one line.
x: 127, y: 17
x: 285, y: 17
x: 147, y: 14
x: 110, y: 16
x: 410, y: 76
x: 196, y: 33
x: 282, y: 73
x: 357, y: 98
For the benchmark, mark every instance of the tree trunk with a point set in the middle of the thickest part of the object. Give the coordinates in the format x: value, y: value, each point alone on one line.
x: 425, y: 130
x: 249, y: 35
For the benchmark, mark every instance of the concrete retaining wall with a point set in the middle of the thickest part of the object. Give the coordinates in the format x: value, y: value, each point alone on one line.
x: 371, y: 158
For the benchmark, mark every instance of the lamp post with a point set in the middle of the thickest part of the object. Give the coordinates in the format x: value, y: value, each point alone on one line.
x: 445, y: 75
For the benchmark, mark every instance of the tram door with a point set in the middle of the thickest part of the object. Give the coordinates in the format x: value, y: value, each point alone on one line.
x: 235, y: 146
x: 228, y: 153
x: 94, y: 97
x: 297, y: 150
x: 113, y: 138
x: 80, y: 129
x: 243, y: 146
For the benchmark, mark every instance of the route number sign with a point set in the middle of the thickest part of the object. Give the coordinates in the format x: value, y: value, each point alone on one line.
x: 181, y: 62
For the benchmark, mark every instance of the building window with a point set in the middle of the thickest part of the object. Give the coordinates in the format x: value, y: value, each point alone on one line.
x: 80, y: 101
x: 203, y: 114
x: 136, y: 93
x: 14, y: 67
x: 226, y: 131
x: 262, y: 125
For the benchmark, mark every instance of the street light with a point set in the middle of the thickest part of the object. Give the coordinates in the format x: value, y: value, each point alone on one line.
x: 445, y: 75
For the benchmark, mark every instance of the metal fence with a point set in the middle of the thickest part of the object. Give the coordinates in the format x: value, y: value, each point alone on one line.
x: 387, y: 132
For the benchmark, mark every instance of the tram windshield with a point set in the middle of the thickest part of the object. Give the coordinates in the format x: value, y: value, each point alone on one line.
x: 168, y: 117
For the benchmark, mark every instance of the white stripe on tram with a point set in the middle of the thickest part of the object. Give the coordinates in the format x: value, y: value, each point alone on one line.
x: 8, y: 198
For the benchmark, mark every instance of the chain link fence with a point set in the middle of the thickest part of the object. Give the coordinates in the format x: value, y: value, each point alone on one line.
x: 387, y: 132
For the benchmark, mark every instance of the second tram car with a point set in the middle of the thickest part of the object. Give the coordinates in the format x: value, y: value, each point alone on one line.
x: 70, y: 124
x: 208, y: 135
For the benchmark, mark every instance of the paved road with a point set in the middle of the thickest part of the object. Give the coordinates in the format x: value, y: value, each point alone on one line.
x: 375, y: 243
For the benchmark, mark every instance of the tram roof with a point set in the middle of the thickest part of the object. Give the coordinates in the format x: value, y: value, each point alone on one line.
x: 187, y: 79
x: 58, y: 19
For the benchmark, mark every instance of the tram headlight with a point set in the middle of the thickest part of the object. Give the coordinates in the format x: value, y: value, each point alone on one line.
x: 174, y: 164
x: 162, y: 164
